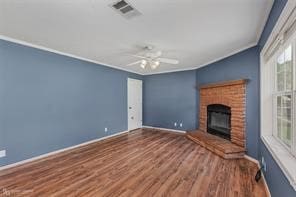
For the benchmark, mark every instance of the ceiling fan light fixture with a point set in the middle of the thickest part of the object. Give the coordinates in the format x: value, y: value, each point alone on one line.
x: 153, y: 66
x: 143, y: 66
x: 157, y: 63
x: 144, y: 62
x: 152, y: 59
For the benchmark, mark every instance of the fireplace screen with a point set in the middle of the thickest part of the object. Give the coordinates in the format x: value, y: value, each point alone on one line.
x: 219, y: 120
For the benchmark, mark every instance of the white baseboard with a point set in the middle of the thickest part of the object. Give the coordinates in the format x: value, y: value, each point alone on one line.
x: 259, y: 166
x: 252, y: 160
x: 165, y: 129
x: 266, y: 186
x: 59, y: 151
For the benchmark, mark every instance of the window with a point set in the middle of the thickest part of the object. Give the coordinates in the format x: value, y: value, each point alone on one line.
x: 283, y: 98
x: 278, y: 92
x: 278, y: 106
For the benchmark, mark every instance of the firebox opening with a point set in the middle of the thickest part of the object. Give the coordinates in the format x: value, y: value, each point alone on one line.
x: 219, y: 120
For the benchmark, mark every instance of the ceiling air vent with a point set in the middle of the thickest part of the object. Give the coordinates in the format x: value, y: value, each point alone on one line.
x: 125, y: 9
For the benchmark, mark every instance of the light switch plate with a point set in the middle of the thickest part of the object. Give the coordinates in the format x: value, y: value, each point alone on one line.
x: 2, y: 153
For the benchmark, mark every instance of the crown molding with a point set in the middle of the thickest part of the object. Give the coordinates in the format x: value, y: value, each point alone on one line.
x: 24, y: 43
x: 209, y: 62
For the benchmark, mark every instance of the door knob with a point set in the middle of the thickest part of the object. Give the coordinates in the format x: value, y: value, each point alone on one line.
x: 132, y: 117
x: 130, y: 107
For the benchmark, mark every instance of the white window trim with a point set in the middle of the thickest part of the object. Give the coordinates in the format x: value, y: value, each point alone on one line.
x: 283, y: 157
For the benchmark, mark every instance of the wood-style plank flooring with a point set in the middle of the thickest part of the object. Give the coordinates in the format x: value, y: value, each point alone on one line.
x: 140, y: 163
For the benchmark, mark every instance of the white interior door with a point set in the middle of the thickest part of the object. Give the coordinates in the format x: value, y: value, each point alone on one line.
x: 134, y: 105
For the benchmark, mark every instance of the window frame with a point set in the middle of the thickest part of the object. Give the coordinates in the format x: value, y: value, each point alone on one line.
x: 284, y: 155
x: 275, y: 93
x: 294, y: 93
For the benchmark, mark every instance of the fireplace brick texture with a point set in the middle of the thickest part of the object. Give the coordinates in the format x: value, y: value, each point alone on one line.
x: 231, y: 94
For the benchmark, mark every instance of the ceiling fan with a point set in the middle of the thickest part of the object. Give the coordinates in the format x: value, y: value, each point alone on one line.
x: 152, y: 59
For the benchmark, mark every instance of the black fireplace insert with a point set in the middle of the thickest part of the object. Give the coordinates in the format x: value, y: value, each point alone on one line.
x: 219, y: 120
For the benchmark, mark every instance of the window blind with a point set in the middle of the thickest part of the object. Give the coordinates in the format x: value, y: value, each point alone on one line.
x: 281, y: 36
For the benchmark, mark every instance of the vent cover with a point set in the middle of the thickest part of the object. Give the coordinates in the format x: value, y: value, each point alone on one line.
x: 125, y: 9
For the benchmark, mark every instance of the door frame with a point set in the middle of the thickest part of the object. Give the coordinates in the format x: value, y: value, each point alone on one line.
x: 141, y: 107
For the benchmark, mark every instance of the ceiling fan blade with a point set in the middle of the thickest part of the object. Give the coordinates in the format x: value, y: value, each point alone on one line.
x: 158, y: 53
x: 168, y: 61
x: 139, y: 56
x: 137, y: 62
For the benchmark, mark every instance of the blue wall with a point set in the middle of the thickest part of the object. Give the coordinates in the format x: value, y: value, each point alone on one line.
x: 243, y: 65
x: 50, y: 101
x: 278, y: 184
x: 170, y: 98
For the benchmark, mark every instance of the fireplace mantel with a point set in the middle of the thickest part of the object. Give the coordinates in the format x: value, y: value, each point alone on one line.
x: 224, y: 83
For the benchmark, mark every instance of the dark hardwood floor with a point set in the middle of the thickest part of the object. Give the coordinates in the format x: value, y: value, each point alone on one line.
x: 140, y: 163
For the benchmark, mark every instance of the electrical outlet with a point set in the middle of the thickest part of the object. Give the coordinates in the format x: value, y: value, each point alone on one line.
x: 106, y: 129
x: 263, y: 164
x: 2, y: 153
x: 175, y: 124
x: 181, y: 124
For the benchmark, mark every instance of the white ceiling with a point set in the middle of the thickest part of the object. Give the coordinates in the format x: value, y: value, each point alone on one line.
x: 195, y: 32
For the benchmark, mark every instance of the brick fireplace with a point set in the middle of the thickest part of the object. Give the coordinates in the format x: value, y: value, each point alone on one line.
x: 232, y: 95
